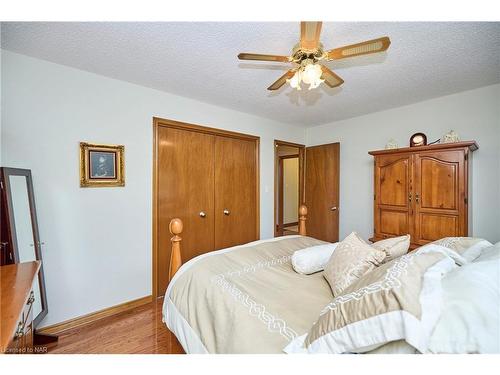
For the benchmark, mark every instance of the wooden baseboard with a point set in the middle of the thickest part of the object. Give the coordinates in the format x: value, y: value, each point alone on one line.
x: 58, y: 328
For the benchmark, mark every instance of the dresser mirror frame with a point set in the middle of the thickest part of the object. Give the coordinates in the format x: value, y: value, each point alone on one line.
x: 11, y: 233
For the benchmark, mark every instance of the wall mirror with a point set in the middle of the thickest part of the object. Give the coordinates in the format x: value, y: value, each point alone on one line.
x: 20, y: 237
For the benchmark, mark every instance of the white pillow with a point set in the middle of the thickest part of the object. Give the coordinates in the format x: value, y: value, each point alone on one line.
x: 470, y: 318
x: 312, y: 259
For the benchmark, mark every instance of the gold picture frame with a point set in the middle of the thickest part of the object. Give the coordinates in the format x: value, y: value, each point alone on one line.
x: 101, y: 165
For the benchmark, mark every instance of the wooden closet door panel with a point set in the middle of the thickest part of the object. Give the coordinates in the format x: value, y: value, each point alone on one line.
x: 393, y: 203
x: 185, y: 188
x: 235, y: 191
x: 439, y: 195
x: 322, y: 191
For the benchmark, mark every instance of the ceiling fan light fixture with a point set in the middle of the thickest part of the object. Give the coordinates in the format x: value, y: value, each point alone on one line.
x: 309, y: 74
x: 295, y: 80
x: 316, y: 83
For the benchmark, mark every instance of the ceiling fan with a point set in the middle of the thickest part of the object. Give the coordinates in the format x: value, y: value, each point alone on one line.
x: 307, y: 54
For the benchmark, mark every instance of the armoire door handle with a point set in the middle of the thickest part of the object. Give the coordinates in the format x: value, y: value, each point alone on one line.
x: 334, y: 208
x: 203, y: 214
x: 226, y: 212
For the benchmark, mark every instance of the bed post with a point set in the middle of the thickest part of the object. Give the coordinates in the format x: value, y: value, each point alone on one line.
x: 175, y: 228
x: 302, y: 219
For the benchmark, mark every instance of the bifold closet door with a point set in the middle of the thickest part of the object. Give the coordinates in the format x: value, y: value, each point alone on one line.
x: 185, y: 190
x: 235, y: 191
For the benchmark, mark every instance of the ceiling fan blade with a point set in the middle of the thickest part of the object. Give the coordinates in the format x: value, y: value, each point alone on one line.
x: 331, y: 79
x: 309, y: 35
x: 261, y: 57
x: 281, y: 80
x: 363, y: 48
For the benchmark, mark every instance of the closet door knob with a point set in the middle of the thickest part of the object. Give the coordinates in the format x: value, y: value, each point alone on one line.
x: 226, y: 212
x: 334, y: 208
x: 203, y: 214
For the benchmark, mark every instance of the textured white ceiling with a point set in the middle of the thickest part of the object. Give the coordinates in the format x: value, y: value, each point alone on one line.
x: 198, y: 60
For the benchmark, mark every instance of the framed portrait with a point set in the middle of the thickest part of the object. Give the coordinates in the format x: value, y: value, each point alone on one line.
x: 101, y: 165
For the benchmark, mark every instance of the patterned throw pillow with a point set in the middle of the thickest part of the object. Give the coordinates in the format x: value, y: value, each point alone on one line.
x: 352, y: 258
x: 393, y: 247
x: 400, y: 300
x: 469, y: 248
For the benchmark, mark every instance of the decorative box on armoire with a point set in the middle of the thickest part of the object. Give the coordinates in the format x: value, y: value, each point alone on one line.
x: 423, y: 191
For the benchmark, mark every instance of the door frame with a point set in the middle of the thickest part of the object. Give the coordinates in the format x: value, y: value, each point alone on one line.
x: 161, y: 122
x: 278, y: 179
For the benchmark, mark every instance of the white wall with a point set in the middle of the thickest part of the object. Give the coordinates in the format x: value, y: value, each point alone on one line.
x: 98, y: 241
x: 474, y: 114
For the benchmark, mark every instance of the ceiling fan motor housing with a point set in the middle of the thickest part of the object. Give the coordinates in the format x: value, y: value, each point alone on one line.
x: 301, y: 55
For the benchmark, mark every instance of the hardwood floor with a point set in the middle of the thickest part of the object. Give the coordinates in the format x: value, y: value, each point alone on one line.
x: 137, y: 331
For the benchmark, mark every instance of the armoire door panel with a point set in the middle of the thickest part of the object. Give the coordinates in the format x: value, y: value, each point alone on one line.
x: 393, y: 201
x: 440, y: 179
x: 322, y: 171
x: 185, y: 189
x: 439, y: 183
x: 394, y: 182
x: 393, y: 223
x: 236, y: 191
x: 434, y: 227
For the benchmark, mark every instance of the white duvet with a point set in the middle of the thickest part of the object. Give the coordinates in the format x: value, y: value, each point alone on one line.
x: 470, y: 319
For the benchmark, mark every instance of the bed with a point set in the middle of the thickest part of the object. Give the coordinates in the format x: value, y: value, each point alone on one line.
x: 248, y: 299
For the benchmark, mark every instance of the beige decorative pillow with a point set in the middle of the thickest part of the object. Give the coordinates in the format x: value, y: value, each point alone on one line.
x: 352, y: 258
x: 469, y: 248
x: 393, y: 247
x: 400, y: 300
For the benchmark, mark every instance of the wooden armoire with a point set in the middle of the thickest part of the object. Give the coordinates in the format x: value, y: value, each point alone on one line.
x: 423, y: 191
x: 209, y: 178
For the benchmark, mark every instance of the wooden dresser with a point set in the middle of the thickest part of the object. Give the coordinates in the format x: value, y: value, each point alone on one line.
x: 422, y: 191
x: 16, y: 311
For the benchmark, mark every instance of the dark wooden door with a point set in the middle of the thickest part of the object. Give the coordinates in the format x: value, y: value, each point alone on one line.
x: 235, y: 191
x: 322, y: 191
x: 440, y: 194
x: 393, y: 200
x: 186, y: 191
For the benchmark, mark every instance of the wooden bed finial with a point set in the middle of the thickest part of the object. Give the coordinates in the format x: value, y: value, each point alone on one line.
x: 175, y: 228
x: 302, y: 219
